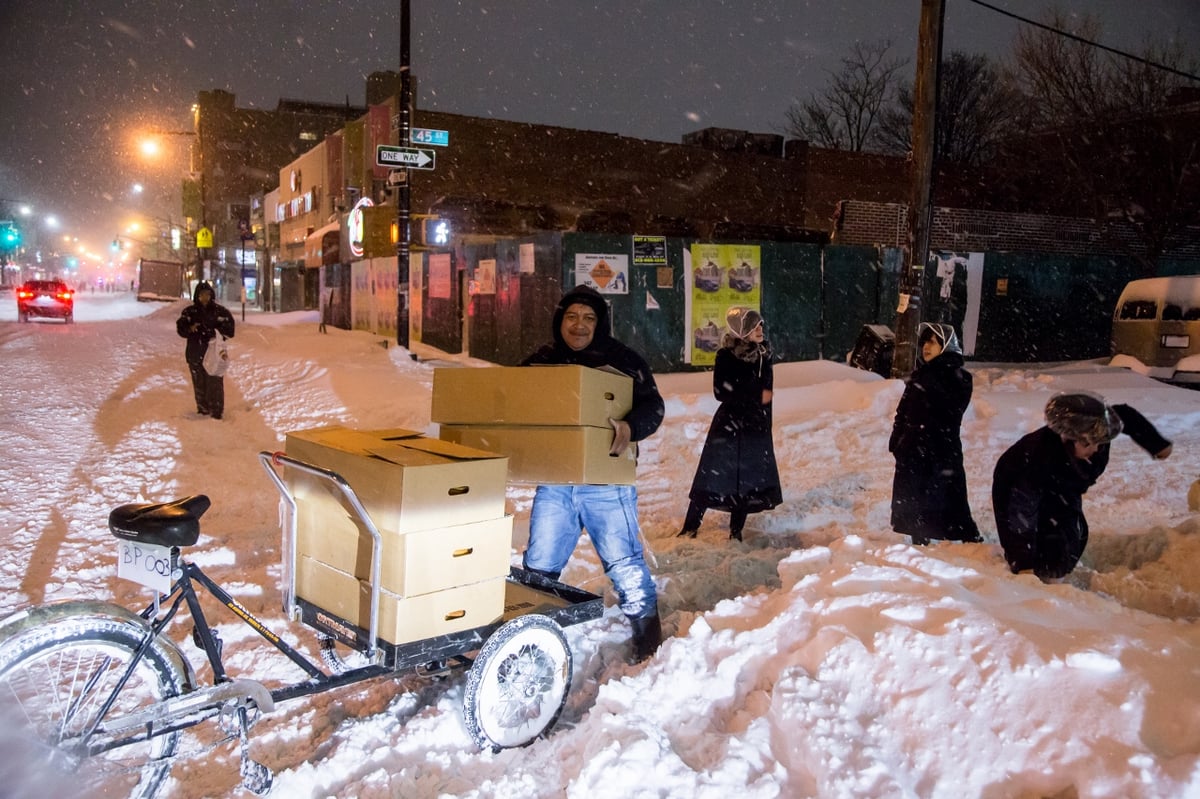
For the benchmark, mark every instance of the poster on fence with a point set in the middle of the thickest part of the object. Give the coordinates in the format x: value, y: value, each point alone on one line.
x: 722, y: 276
x: 606, y: 273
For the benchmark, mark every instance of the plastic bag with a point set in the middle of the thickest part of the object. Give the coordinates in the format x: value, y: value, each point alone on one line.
x: 216, y: 358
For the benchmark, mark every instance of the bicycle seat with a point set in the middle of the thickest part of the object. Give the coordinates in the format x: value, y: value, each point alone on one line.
x: 167, y: 524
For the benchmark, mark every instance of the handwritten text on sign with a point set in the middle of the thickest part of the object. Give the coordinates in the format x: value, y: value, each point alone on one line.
x: 147, y: 564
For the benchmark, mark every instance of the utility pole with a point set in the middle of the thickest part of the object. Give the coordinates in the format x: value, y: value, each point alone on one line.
x: 404, y: 196
x: 920, y: 206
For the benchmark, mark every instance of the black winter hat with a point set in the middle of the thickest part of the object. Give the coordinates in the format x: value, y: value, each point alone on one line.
x: 1082, y: 416
x: 588, y: 296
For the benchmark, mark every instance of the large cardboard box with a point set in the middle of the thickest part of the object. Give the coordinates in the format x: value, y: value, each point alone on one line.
x: 401, y: 619
x: 405, y: 481
x: 530, y: 395
x: 417, y: 562
x: 413, y: 563
x: 573, y: 455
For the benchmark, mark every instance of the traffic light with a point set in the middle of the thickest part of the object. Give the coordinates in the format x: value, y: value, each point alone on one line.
x: 10, y: 236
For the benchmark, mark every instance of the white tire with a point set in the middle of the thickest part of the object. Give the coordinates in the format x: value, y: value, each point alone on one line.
x: 518, y: 685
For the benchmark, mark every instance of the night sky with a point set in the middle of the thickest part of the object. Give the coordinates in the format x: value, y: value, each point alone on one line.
x: 79, y: 78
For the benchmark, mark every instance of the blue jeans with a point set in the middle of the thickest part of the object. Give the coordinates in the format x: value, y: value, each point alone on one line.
x: 609, y: 513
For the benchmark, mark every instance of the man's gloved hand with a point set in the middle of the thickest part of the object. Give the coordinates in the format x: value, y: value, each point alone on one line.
x: 621, y: 436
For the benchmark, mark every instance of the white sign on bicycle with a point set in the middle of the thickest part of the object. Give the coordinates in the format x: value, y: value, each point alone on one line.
x: 147, y: 564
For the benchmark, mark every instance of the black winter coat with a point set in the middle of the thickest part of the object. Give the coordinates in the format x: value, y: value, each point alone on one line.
x: 210, y: 319
x: 737, y: 469
x: 929, y: 490
x: 1037, y: 494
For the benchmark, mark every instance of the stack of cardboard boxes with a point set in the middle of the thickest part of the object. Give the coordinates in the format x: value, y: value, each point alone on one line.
x: 551, y: 421
x: 439, y: 507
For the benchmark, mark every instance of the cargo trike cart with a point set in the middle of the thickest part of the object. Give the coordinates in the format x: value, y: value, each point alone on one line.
x: 102, y: 693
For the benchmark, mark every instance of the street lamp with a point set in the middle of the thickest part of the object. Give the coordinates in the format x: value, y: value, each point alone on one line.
x: 151, y: 148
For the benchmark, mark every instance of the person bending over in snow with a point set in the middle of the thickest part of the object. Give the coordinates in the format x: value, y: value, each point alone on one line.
x: 1039, y: 482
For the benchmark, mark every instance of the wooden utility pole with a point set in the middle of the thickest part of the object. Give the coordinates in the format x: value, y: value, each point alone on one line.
x: 920, y: 206
x: 404, y: 195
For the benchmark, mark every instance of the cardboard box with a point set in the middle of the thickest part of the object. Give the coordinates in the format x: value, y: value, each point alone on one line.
x: 521, y: 600
x: 530, y: 395
x: 574, y: 455
x: 401, y: 619
x: 417, y: 562
x: 404, y: 480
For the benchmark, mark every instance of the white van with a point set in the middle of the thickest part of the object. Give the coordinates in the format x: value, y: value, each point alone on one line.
x: 1156, y: 328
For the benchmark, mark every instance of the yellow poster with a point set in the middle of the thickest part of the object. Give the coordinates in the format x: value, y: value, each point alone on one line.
x: 723, y: 275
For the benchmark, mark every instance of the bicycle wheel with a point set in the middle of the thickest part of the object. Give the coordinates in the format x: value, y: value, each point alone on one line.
x: 517, y: 686
x: 55, y: 677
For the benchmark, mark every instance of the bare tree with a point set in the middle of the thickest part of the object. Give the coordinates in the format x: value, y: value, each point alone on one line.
x: 845, y: 115
x: 977, y: 109
x: 1105, y: 138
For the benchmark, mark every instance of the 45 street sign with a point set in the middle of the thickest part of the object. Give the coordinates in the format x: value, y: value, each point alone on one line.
x: 411, y: 157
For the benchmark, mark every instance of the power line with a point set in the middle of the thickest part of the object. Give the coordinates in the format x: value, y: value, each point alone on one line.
x: 1088, y: 42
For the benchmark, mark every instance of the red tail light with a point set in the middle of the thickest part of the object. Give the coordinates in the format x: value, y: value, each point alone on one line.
x: 65, y: 296
x: 24, y: 295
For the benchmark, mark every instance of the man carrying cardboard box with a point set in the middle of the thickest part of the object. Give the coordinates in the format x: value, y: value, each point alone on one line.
x: 608, y: 512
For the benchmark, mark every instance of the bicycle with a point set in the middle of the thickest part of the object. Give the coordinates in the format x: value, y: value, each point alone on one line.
x: 106, y: 693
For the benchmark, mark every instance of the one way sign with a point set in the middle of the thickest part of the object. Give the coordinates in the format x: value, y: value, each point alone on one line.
x: 411, y: 157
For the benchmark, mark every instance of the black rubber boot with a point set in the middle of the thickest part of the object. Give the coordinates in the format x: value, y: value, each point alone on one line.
x: 647, y: 636
x: 691, y: 522
x: 737, y: 521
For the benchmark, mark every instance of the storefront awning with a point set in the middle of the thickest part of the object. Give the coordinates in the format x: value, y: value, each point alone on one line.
x: 323, y: 246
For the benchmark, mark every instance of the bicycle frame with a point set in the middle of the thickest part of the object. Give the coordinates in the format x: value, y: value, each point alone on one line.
x: 146, y: 638
x: 184, y: 592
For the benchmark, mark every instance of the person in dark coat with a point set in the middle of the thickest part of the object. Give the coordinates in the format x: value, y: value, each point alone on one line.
x: 200, y: 323
x: 737, y: 472
x: 929, y: 489
x: 1039, y: 482
x: 560, y: 513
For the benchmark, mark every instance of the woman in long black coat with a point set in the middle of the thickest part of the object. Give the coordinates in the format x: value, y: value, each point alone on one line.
x: 929, y: 490
x: 737, y: 472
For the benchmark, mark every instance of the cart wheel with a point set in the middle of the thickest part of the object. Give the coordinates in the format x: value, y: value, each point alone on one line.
x: 517, y: 686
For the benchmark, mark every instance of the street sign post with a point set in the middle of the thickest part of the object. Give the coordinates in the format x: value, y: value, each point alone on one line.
x: 411, y: 157
x: 438, y: 138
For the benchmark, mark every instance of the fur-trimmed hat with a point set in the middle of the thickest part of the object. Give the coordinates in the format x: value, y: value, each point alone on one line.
x: 1082, y: 416
x: 742, y: 321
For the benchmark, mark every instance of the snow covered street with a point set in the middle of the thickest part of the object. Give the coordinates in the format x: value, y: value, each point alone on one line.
x: 823, y: 657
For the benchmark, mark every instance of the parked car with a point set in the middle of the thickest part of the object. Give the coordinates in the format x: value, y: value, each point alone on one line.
x: 1156, y: 328
x: 45, y: 298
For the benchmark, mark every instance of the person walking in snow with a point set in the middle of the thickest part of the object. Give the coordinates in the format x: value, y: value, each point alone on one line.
x: 560, y: 513
x: 737, y: 472
x: 200, y: 323
x: 929, y: 488
x: 1039, y: 482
